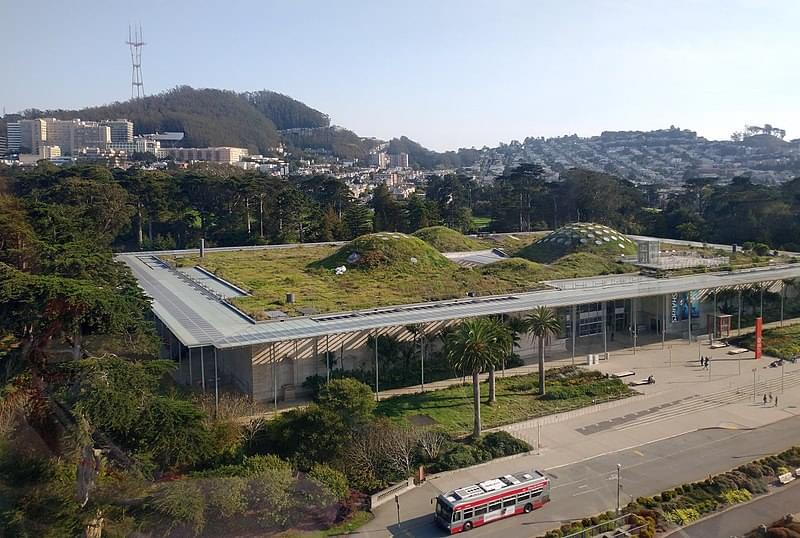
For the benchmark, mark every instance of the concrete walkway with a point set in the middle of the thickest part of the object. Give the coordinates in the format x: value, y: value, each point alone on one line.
x: 685, y: 398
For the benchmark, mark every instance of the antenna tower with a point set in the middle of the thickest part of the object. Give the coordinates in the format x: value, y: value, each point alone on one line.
x: 135, y: 42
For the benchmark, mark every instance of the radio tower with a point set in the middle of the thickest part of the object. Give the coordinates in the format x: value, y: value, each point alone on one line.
x: 135, y: 42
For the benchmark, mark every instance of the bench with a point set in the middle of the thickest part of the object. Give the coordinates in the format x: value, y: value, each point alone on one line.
x: 620, y: 375
x: 640, y: 382
x: 785, y: 478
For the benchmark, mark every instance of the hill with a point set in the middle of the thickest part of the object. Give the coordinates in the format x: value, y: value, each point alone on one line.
x: 393, y: 250
x: 334, y: 140
x: 421, y: 157
x: 285, y: 112
x: 445, y: 239
x: 209, y: 117
x: 579, y: 237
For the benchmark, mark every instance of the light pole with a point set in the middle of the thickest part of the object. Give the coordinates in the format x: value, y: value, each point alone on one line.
x: 619, y: 485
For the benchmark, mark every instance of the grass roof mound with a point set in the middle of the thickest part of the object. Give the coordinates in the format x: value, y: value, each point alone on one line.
x: 386, y: 250
x: 576, y: 238
x: 445, y: 239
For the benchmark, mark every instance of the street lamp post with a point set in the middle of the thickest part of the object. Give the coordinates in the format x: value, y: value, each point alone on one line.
x: 619, y: 485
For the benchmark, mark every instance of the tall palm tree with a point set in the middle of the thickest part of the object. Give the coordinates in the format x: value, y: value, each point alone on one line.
x: 542, y: 322
x: 475, y: 345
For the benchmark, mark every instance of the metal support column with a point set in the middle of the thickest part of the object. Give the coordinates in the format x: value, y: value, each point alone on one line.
x: 714, y: 327
x: 663, y: 321
x: 635, y: 327
x: 422, y: 361
x: 180, y: 363
x: 327, y: 359
x: 274, y: 377
x: 377, y: 390
x: 739, y: 322
x: 202, y: 371
x: 190, y: 366
x: 216, y: 385
x: 574, y: 325
x: 605, y: 329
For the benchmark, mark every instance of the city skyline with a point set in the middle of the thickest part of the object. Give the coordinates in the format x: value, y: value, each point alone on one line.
x: 449, y: 75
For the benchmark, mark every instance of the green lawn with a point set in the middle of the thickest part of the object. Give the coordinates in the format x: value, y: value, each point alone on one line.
x: 517, y: 399
x: 479, y: 223
x: 781, y: 342
x: 270, y: 274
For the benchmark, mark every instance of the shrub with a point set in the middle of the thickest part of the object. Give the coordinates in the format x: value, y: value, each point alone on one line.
x: 682, y: 516
x: 226, y: 497
x: 734, y: 496
x: 462, y: 456
x: 256, y: 465
x: 351, y: 399
x: 502, y: 443
x: 555, y: 533
x: 332, y: 480
x: 182, y: 503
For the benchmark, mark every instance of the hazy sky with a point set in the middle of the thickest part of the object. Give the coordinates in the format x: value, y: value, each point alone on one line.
x: 445, y: 73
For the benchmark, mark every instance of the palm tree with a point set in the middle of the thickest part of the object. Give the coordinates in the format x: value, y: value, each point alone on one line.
x: 542, y: 323
x: 475, y: 345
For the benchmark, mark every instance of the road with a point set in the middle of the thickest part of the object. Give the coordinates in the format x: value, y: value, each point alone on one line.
x: 588, y: 487
x: 743, y: 518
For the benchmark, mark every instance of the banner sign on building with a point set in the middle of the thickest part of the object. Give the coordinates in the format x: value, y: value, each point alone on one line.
x: 680, y: 305
x: 759, y: 324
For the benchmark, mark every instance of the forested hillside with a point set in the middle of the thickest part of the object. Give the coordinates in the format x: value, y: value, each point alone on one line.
x: 208, y: 117
x: 251, y: 120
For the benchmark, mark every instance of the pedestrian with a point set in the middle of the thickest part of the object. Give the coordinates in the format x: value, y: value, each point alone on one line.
x: 770, y: 398
x: 776, y: 401
x: 765, y: 399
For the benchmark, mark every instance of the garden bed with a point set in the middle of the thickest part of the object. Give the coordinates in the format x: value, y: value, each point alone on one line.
x: 451, y: 409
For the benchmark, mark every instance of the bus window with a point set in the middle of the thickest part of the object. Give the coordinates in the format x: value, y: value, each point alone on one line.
x: 443, y: 511
x: 457, y: 516
x: 511, y: 501
x: 468, y: 513
x: 523, y: 497
x: 480, y: 510
x: 494, y: 506
x: 536, y: 493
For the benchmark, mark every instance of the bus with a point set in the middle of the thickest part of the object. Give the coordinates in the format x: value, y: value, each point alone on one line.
x: 477, y: 504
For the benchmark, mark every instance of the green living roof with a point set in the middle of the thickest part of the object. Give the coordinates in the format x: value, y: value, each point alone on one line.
x: 579, y: 237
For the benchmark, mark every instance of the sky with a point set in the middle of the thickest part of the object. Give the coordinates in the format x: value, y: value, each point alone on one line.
x: 446, y: 73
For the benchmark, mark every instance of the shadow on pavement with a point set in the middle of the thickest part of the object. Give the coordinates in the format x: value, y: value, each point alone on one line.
x: 422, y: 526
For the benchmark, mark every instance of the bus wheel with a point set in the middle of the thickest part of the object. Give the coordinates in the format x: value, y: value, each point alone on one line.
x: 528, y: 508
x: 468, y: 526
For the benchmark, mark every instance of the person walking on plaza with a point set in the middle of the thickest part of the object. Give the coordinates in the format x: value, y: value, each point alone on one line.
x: 776, y: 401
x: 770, y: 398
x: 765, y: 399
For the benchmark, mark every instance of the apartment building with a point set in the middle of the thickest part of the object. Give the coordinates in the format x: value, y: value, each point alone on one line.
x: 222, y: 154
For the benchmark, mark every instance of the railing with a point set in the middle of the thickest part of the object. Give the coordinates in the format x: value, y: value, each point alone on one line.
x: 618, y: 523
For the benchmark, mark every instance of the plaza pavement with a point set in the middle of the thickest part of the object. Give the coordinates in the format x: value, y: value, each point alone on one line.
x: 688, y: 408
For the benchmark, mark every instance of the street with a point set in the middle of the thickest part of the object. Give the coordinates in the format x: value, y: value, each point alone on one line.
x: 589, y: 487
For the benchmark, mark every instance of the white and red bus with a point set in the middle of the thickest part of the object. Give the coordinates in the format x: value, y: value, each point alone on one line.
x: 474, y: 505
